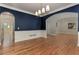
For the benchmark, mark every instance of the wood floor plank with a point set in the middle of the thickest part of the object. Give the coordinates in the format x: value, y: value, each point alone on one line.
x: 63, y: 44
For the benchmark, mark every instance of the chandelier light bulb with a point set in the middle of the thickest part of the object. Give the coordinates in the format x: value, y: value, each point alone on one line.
x: 39, y: 12
x: 43, y: 10
x: 47, y: 8
x: 36, y: 13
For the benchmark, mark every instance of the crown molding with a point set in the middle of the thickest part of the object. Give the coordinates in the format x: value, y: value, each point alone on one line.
x: 59, y: 9
x: 17, y: 9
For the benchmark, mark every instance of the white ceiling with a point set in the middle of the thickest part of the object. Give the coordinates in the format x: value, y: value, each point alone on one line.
x: 32, y: 7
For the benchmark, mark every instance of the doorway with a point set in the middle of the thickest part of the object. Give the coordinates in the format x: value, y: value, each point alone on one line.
x: 59, y: 23
x: 7, y: 26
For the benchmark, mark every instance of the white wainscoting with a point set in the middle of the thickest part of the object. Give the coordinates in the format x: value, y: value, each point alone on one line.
x: 26, y: 35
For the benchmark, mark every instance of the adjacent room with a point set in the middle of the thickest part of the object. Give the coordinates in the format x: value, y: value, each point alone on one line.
x: 39, y: 29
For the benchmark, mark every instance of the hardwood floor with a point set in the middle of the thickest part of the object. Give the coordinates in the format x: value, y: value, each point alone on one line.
x: 53, y: 45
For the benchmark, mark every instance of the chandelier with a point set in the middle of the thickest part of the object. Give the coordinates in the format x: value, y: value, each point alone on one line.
x: 43, y: 10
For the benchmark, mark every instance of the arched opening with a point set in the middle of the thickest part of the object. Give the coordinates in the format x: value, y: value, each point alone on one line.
x: 64, y: 27
x: 62, y: 23
x: 7, y: 27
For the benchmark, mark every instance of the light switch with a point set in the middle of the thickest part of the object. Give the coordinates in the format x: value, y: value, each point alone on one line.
x: 18, y: 28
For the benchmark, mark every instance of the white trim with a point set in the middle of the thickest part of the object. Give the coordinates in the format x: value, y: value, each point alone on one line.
x: 27, y: 35
x: 17, y: 9
x: 73, y: 4
x: 59, y: 9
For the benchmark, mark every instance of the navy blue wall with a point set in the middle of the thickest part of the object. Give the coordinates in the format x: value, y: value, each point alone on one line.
x: 71, y: 9
x: 31, y: 22
x: 24, y: 21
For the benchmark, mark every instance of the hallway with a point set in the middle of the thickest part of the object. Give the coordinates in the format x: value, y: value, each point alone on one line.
x: 53, y: 45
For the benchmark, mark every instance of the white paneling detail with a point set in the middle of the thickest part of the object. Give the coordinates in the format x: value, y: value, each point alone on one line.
x: 26, y: 35
x: 63, y: 25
